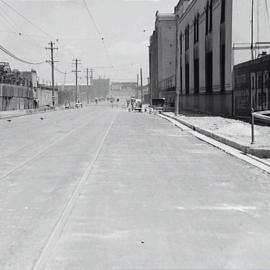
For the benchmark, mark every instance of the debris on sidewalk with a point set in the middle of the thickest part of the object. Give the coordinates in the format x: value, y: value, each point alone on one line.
x: 229, y: 130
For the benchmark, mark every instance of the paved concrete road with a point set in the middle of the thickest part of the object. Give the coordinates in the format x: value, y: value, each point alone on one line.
x: 104, y: 189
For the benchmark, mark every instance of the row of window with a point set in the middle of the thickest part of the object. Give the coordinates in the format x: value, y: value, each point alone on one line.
x: 196, y: 23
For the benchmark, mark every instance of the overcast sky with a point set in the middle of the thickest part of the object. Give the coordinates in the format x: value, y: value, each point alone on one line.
x: 125, y: 25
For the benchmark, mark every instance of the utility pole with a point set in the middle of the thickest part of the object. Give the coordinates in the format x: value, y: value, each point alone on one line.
x: 141, y: 85
x: 91, y: 76
x: 87, y: 76
x: 87, y: 83
x: 52, y: 61
x: 76, y: 63
x: 137, y: 92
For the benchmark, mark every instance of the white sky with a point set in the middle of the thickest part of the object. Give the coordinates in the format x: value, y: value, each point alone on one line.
x: 125, y: 25
x: 122, y: 24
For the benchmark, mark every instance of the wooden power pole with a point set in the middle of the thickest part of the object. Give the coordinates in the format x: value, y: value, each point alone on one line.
x: 76, y: 71
x: 52, y: 61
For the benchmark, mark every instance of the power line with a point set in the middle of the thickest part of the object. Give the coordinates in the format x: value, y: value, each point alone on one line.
x: 18, y: 58
x: 92, y: 18
x: 267, y: 12
x: 9, y: 23
x: 26, y: 19
x: 98, y: 31
x: 60, y: 71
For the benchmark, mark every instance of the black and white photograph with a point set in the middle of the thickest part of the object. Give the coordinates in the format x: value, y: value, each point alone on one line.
x: 134, y: 134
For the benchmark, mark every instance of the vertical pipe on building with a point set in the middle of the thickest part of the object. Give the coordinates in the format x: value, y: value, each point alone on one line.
x: 177, y: 92
x: 252, y: 50
x: 252, y: 30
x: 150, y: 74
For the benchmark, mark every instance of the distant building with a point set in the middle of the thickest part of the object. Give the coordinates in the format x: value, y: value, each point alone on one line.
x: 44, y: 96
x: 15, y: 97
x: 16, y: 91
x: 30, y: 77
x: 162, y: 52
x: 86, y: 93
x: 101, y: 87
x: 252, y: 77
x: 21, y: 90
x: 123, y: 90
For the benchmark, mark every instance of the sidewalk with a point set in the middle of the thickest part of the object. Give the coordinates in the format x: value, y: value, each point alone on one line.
x: 18, y: 113
x: 232, y: 132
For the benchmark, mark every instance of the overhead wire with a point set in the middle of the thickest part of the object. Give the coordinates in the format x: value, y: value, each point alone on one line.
x: 60, y: 71
x: 6, y: 51
x: 10, y: 20
x: 8, y: 23
x: 17, y: 28
x: 26, y: 19
x: 267, y: 12
x: 98, y: 31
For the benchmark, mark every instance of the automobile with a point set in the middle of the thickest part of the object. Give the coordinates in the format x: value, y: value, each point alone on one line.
x: 78, y: 104
x: 158, y: 104
x: 137, y: 106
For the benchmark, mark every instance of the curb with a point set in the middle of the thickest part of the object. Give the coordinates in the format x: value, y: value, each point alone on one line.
x: 25, y: 113
x: 251, y: 150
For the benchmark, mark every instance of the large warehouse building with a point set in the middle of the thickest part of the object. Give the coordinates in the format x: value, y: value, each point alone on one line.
x: 207, y: 33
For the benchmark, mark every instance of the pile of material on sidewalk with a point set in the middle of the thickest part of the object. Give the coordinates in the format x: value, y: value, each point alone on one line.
x: 230, y: 129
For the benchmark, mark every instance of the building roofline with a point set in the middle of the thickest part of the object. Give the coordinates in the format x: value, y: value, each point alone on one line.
x: 179, y: 3
x: 165, y: 16
x: 264, y: 58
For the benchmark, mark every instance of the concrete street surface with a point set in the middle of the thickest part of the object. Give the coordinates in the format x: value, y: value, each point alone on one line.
x: 101, y: 188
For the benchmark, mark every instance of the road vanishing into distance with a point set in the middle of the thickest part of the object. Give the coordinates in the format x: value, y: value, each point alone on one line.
x: 100, y: 188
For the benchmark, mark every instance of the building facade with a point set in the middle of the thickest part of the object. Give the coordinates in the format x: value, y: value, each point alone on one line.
x: 252, y: 86
x: 15, y: 97
x: 162, y: 51
x: 207, y: 34
x: 123, y: 90
x: 21, y: 90
x: 43, y: 96
x: 101, y: 87
x: 204, y: 55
